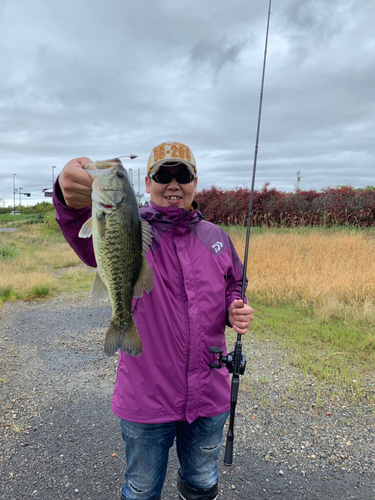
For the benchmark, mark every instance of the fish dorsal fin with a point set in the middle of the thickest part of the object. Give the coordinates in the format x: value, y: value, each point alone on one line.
x: 86, y: 229
x: 98, y: 289
x: 146, y: 236
x: 145, y: 280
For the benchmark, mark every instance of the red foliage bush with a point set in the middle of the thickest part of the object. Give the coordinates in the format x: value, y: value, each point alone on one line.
x: 271, y: 207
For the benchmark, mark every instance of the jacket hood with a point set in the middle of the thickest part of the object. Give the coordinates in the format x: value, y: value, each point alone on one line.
x: 165, y: 217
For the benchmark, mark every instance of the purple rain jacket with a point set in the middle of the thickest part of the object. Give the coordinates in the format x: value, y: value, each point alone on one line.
x: 197, y: 275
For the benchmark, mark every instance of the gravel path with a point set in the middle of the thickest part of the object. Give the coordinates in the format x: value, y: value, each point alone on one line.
x: 60, y: 439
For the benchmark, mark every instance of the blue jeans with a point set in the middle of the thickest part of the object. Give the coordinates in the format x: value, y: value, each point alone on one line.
x: 147, y: 448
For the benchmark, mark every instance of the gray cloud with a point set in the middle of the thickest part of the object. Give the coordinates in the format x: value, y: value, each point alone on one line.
x: 215, y: 55
x: 104, y: 78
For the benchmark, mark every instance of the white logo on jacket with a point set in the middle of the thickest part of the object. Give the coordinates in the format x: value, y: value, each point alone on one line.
x: 217, y: 246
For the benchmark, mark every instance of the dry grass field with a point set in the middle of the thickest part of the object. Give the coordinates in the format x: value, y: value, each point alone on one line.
x: 331, y: 271
x: 314, y: 290
x: 30, y: 260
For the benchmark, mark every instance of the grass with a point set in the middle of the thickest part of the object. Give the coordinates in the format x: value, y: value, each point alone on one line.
x: 7, y: 220
x: 17, y: 428
x: 29, y: 268
x: 314, y: 289
x: 338, y: 351
x: 333, y: 271
x: 6, y: 252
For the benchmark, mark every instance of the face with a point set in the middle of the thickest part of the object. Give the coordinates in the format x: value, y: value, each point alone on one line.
x: 172, y: 194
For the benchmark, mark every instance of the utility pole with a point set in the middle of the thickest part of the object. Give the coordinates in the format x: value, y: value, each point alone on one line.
x: 14, y: 193
x: 298, y: 180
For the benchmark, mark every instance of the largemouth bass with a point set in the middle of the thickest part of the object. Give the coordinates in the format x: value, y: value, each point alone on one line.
x: 120, y: 242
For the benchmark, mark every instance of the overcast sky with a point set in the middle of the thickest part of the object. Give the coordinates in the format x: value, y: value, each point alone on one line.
x: 103, y: 78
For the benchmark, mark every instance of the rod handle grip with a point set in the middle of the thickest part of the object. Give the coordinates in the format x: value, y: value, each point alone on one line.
x: 228, y: 456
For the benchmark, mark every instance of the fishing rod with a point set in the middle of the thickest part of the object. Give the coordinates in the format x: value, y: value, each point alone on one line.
x: 236, y: 360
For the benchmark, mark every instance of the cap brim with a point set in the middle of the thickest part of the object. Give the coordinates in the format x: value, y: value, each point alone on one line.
x: 170, y: 163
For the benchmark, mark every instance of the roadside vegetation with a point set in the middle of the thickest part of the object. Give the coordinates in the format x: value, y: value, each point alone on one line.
x: 340, y: 206
x: 36, y: 262
x: 28, y: 215
x: 312, y: 288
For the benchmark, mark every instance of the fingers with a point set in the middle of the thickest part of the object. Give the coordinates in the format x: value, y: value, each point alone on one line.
x: 75, y: 183
x: 243, y: 317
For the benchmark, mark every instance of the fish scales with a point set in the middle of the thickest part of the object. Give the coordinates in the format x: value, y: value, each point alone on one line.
x: 123, y: 251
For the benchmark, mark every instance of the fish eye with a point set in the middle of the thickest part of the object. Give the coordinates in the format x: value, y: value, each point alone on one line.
x: 120, y: 174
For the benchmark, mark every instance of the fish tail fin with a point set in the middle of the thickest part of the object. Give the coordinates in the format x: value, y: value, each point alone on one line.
x: 112, y: 339
x: 131, y: 341
x: 128, y: 340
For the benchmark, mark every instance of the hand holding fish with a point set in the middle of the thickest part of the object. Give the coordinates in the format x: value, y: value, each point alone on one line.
x: 240, y: 316
x: 75, y: 183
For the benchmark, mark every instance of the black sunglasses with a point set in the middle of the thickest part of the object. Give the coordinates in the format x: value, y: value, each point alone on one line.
x: 184, y: 177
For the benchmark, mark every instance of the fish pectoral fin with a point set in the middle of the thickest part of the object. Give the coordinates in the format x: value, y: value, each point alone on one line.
x: 146, y: 236
x: 98, y: 289
x: 86, y: 229
x: 145, y: 280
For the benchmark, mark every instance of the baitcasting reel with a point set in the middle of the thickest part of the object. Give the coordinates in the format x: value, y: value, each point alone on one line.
x: 228, y: 361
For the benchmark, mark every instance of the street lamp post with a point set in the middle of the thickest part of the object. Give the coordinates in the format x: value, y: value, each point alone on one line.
x: 14, y: 193
x: 131, y: 176
x: 53, y: 176
x: 132, y: 157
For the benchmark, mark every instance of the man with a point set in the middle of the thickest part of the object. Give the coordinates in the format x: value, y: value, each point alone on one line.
x: 170, y: 392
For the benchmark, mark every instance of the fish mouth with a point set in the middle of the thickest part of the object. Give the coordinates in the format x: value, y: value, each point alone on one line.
x: 113, y: 206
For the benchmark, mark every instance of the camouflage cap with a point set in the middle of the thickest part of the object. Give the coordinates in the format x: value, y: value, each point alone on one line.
x: 171, y: 153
